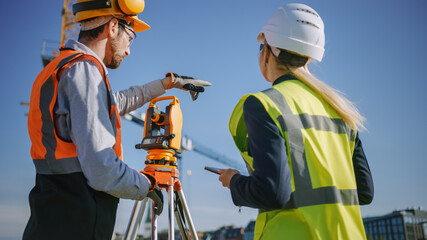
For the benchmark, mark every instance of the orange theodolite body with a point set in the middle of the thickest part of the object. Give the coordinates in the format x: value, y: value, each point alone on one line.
x: 162, y: 140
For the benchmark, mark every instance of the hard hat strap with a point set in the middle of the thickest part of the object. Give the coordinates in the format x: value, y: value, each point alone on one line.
x: 91, y: 5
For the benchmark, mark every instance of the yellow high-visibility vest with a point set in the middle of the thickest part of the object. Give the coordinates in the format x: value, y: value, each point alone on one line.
x: 320, y: 145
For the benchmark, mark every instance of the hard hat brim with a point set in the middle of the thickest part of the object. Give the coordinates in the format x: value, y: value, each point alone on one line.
x: 139, y: 25
x: 294, y: 45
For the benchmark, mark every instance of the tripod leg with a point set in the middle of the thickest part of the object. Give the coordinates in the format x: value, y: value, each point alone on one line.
x: 170, y: 213
x: 180, y: 218
x: 186, y: 211
x: 153, y: 222
x: 135, y: 220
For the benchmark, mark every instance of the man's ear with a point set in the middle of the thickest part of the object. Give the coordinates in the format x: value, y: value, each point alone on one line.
x: 112, y: 27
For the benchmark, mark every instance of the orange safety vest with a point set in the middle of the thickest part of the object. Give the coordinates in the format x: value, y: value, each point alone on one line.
x: 50, y: 153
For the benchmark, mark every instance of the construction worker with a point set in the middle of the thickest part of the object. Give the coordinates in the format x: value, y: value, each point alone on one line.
x: 299, y: 139
x: 74, y: 126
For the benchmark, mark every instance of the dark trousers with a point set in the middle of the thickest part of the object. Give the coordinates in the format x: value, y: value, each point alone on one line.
x: 64, y: 207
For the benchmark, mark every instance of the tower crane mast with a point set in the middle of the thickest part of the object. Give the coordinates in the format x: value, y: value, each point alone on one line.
x: 69, y: 29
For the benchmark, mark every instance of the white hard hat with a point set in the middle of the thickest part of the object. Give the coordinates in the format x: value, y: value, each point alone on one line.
x: 297, y: 28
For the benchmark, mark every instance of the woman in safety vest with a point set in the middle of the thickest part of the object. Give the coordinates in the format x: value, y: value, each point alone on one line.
x: 299, y: 139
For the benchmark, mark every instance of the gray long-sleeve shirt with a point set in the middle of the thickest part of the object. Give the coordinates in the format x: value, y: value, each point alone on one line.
x: 83, y: 118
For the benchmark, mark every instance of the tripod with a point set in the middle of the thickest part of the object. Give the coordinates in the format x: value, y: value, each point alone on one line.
x: 162, y: 165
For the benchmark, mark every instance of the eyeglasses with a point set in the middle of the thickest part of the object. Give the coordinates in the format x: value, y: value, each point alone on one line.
x: 261, y: 46
x: 131, y: 35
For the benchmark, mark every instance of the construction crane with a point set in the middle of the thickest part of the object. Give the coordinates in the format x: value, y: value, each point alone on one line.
x: 189, y: 144
x: 69, y: 29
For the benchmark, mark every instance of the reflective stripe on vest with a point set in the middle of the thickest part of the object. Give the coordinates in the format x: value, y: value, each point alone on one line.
x: 304, y: 194
x: 50, y: 153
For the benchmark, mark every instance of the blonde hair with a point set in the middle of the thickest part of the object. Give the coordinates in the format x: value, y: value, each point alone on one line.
x: 345, y: 108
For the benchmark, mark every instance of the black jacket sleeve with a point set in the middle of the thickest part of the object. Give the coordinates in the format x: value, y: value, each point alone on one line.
x: 269, y: 187
x: 365, y: 184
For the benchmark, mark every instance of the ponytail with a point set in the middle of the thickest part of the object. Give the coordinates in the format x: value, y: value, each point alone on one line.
x: 346, y: 109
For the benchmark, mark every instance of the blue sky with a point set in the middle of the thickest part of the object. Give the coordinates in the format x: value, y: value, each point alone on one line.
x: 375, y: 54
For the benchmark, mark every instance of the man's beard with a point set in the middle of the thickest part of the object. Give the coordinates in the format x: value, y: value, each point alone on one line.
x: 117, y: 58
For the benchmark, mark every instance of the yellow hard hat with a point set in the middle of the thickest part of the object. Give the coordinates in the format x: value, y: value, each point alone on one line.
x: 127, y: 9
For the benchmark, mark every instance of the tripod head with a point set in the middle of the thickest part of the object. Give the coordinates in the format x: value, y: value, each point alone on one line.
x: 162, y: 133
